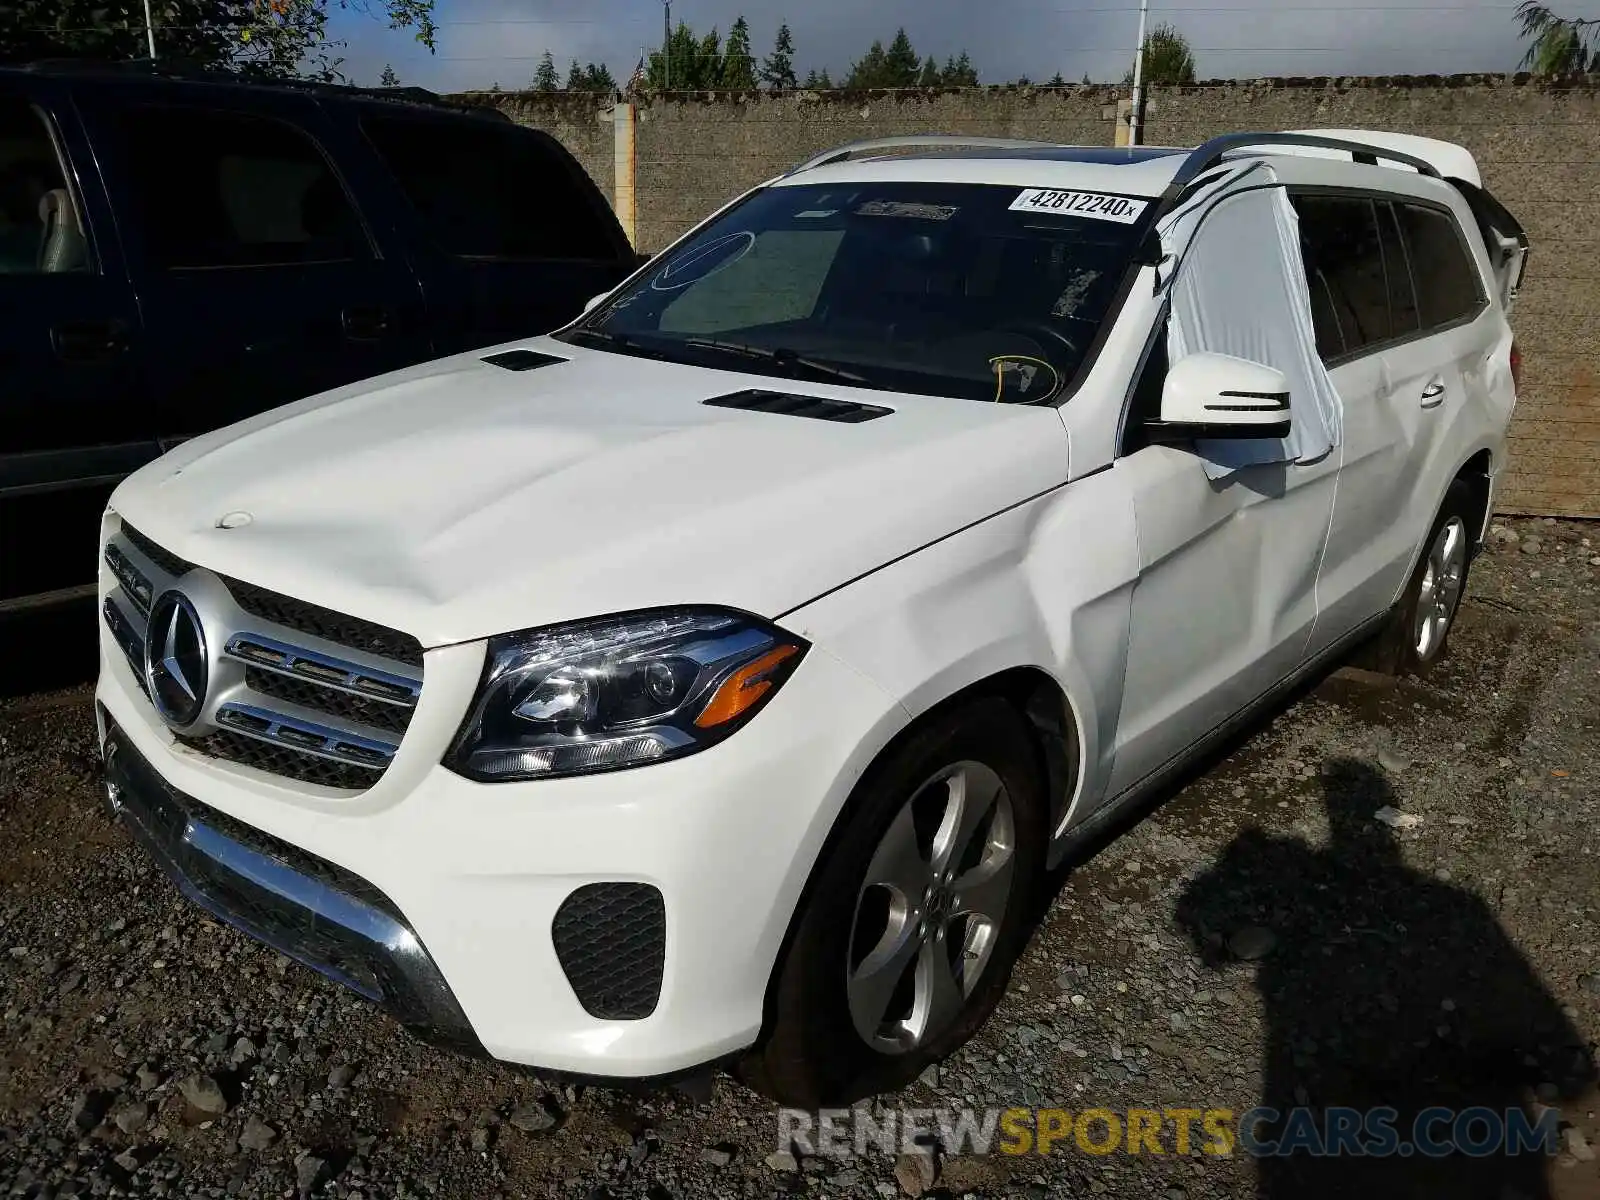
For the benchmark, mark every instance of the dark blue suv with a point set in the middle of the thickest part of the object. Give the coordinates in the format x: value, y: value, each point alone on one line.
x: 177, y: 253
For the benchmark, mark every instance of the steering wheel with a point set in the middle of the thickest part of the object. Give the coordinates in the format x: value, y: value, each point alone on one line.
x: 1044, y: 334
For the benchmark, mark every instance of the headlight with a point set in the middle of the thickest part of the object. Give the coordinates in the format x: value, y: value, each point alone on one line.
x: 619, y: 692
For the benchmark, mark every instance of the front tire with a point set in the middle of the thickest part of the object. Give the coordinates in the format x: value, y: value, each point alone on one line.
x: 915, y: 914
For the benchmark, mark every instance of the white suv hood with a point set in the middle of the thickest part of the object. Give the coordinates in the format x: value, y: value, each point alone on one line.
x: 457, y: 499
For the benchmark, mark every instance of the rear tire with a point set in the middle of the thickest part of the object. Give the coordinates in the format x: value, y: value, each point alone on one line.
x: 861, y: 1003
x: 1416, y: 635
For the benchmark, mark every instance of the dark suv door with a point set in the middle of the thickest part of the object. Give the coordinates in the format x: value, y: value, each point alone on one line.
x: 259, y: 277
x: 508, y: 233
x: 74, y: 413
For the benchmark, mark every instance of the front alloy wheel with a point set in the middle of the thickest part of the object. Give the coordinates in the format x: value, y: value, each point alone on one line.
x: 915, y: 912
x: 930, y: 911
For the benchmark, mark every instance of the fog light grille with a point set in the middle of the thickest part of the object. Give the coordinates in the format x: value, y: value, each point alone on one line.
x: 611, y: 939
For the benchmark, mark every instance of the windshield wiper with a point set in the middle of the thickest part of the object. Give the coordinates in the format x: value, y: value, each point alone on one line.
x: 780, y: 356
x: 618, y: 341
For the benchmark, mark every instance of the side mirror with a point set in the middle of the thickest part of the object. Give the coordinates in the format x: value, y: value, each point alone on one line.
x: 1219, y: 396
x: 593, y: 300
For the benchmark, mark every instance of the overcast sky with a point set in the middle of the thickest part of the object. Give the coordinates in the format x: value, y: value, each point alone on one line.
x: 482, y: 42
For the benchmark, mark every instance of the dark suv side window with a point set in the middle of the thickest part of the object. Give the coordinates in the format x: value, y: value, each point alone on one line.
x: 1448, y: 285
x: 1346, y: 271
x: 490, y: 193
x: 41, y: 232
x: 216, y: 189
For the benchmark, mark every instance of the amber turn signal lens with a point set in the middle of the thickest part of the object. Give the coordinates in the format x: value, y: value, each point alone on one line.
x: 743, y: 688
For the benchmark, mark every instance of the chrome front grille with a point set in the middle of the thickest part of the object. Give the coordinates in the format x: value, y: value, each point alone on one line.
x: 290, y: 688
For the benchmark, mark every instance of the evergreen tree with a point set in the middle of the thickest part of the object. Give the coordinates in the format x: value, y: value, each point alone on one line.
x: 959, y: 72
x: 388, y: 78
x: 708, y: 61
x: 777, y: 72
x: 545, y: 78
x: 598, y: 79
x: 738, y: 63
x: 575, y: 77
x: 696, y: 62
x: 902, y: 61
x: 930, y: 76
x: 1057, y: 81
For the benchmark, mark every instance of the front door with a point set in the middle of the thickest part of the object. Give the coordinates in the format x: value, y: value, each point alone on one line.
x: 74, y: 416
x: 1226, y: 598
x: 259, y: 279
x: 1226, y: 601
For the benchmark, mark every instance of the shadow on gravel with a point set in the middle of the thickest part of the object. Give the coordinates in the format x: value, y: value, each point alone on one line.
x: 1383, y: 988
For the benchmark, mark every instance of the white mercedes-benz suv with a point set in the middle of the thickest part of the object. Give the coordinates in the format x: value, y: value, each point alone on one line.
x: 716, y: 679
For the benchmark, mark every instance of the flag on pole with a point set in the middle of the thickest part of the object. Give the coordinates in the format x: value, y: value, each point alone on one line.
x: 636, y: 80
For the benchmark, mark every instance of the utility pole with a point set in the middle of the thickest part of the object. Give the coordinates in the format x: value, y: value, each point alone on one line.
x: 1136, y: 116
x: 149, y: 30
x: 666, y: 46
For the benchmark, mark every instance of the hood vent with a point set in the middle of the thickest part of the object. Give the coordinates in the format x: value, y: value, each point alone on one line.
x: 817, y: 408
x: 521, y: 360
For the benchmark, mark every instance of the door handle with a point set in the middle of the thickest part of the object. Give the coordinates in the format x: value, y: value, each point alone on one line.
x: 365, y: 322
x: 89, y: 341
x: 1433, y: 394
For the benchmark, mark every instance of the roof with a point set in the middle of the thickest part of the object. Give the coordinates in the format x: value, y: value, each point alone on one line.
x: 164, y: 71
x: 1136, y: 171
x: 1142, y: 175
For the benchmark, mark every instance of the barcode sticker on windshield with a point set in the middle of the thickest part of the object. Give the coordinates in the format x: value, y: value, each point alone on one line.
x: 1123, y: 209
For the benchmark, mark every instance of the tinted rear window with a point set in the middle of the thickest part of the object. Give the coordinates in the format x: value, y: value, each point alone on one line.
x: 1346, y: 271
x: 488, y: 192
x: 1448, y: 285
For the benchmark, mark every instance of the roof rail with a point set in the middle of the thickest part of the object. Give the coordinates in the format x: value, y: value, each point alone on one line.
x: 946, y: 141
x: 188, y: 71
x: 1208, y: 155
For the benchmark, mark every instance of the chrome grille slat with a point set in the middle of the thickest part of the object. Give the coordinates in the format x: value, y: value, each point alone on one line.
x: 359, y: 710
x: 308, y: 737
x: 335, y: 674
x: 135, y: 583
x: 287, y: 696
x: 129, y: 640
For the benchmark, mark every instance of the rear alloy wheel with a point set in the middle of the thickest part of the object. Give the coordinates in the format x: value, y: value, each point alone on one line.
x: 1415, y: 637
x: 1444, y: 573
x: 915, y: 913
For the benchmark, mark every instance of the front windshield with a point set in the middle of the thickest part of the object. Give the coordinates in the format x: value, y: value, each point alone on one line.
x: 977, y: 291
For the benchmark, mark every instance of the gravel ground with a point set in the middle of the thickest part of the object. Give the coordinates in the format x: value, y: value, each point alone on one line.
x: 1258, y: 938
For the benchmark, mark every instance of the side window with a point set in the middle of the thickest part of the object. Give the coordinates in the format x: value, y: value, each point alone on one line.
x: 1402, y: 290
x: 1345, y: 271
x: 491, y: 193
x: 41, y: 231
x: 1448, y: 285
x: 216, y: 189
x: 790, y: 267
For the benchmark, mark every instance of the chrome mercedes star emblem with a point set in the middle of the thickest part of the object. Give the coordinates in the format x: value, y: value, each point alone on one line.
x: 175, y: 659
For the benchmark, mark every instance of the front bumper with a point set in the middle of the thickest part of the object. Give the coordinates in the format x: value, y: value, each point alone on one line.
x: 302, y: 906
x: 435, y: 895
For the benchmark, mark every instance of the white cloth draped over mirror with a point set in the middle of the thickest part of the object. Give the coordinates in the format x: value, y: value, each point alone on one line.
x: 1239, y: 287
